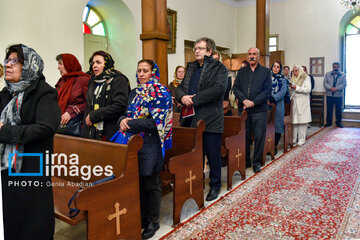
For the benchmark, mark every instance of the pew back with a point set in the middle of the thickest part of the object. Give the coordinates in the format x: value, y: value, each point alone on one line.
x: 112, y: 208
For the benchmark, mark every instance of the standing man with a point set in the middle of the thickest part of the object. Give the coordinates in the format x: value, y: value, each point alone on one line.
x: 203, y: 89
x: 334, y: 83
x: 286, y: 72
x: 252, y: 88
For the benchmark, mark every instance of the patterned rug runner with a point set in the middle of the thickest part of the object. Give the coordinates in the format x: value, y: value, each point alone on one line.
x: 312, y: 192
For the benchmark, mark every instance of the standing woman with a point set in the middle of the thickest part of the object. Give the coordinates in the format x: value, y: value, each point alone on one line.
x: 279, y: 87
x: 72, y: 89
x: 30, y: 115
x: 106, y: 98
x: 300, y: 88
x: 178, y: 77
x: 150, y: 115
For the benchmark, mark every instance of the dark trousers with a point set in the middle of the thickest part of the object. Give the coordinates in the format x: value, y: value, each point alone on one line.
x: 150, y: 198
x: 330, y: 102
x: 255, y: 124
x: 212, y: 149
x: 277, y: 138
x: 28, y: 211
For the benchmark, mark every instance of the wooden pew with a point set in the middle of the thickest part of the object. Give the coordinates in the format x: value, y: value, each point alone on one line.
x: 234, y: 143
x: 176, y: 119
x: 270, y: 134
x: 112, y: 208
x: 288, y: 129
x: 184, y: 168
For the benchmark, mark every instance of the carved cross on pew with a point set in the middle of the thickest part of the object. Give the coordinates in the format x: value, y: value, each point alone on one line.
x: 190, y: 179
x: 238, y: 155
x: 117, y: 215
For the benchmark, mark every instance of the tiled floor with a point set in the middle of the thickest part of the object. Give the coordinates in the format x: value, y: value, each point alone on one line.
x: 64, y: 231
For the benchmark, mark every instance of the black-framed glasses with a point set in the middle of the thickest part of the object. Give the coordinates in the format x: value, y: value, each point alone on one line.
x: 199, y: 48
x: 11, y: 61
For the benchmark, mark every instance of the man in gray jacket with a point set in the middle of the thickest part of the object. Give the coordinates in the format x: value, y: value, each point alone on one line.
x: 334, y: 83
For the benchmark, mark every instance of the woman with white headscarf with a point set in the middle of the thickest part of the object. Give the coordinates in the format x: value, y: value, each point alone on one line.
x: 29, y: 118
x: 300, y: 88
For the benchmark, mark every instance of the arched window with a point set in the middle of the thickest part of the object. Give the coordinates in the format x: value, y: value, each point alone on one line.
x: 92, y: 22
x: 354, y: 26
x: 352, y: 59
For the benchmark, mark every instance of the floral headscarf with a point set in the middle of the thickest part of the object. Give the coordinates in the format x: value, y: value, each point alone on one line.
x: 152, y: 98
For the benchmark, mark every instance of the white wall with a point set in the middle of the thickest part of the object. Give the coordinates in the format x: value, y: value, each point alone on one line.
x: 306, y: 28
x: 122, y: 35
x: 201, y: 18
x: 49, y: 27
x: 53, y: 27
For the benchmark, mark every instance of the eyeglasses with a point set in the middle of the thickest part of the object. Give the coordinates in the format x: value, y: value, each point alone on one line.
x: 199, y: 48
x: 11, y: 61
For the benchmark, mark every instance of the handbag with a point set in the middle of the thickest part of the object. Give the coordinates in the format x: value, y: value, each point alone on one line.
x: 232, y: 99
x: 73, y: 127
x: 73, y: 212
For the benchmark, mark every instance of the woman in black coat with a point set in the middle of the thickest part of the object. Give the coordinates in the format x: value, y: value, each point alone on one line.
x: 150, y: 115
x: 29, y: 118
x: 106, y: 98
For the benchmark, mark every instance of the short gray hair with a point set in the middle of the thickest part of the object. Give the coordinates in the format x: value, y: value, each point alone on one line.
x: 258, y: 50
x: 210, y: 44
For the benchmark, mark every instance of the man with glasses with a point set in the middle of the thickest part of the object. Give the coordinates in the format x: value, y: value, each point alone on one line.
x: 202, y: 91
x: 334, y: 83
x: 252, y: 87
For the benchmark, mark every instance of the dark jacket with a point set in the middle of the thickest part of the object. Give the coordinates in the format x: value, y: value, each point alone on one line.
x: 29, y: 211
x: 150, y: 155
x: 208, y: 102
x: 255, y: 86
x: 172, y: 89
x: 115, y: 106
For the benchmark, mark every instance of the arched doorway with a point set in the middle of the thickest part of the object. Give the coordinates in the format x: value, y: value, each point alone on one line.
x: 119, y: 36
x: 94, y: 30
x: 352, y: 59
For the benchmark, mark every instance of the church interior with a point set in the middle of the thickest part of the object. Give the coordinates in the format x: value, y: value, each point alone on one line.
x: 311, y: 33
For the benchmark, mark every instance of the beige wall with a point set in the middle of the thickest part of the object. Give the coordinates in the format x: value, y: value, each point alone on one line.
x: 45, y: 26
x: 199, y: 18
x: 306, y: 28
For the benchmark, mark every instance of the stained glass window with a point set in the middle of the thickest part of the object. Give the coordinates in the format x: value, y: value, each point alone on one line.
x: 354, y: 26
x: 93, y: 23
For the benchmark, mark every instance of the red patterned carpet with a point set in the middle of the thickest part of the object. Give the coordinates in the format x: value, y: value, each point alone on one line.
x: 312, y: 192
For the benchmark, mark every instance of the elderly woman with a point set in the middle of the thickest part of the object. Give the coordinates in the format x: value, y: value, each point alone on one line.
x: 72, y: 89
x: 279, y: 87
x: 29, y: 118
x: 300, y: 87
x: 106, y: 98
x: 150, y: 115
x: 178, y: 77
